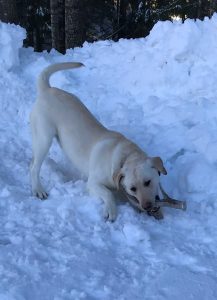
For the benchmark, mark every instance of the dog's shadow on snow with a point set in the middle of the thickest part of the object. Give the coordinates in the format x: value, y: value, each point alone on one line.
x: 62, y: 170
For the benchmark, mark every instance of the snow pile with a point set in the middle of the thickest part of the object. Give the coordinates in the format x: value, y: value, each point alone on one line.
x: 189, y: 49
x: 11, y: 40
x: 161, y: 93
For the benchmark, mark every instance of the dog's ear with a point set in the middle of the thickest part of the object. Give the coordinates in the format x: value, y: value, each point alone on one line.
x: 117, y: 177
x: 157, y: 163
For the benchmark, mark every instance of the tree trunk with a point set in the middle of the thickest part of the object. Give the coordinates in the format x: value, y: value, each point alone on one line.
x: 183, y: 3
x: 74, y: 23
x: 8, y: 11
x: 58, y: 25
x: 199, y: 9
x: 118, y: 12
x: 122, y: 19
x: 212, y: 7
x: 37, y: 40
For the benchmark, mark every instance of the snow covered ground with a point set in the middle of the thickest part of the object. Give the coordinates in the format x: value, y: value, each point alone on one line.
x: 161, y: 92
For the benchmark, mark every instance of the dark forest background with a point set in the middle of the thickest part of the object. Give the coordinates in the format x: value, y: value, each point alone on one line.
x: 63, y: 24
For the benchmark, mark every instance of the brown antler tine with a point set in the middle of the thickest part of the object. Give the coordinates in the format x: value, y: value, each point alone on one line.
x: 164, y: 193
x: 170, y: 202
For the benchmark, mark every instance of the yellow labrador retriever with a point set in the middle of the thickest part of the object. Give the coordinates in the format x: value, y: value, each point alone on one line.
x: 106, y: 157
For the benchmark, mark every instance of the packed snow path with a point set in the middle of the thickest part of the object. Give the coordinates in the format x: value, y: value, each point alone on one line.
x: 161, y: 93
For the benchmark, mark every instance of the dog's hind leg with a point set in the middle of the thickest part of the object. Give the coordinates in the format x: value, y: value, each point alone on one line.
x: 42, y: 136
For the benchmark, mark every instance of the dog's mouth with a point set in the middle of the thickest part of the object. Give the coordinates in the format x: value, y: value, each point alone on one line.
x: 134, y: 201
x: 152, y: 211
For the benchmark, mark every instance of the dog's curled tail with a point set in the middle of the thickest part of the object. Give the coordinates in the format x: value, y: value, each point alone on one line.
x: 43, y: 79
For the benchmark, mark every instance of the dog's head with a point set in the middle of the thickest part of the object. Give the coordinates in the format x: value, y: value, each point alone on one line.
x: 139, y: 177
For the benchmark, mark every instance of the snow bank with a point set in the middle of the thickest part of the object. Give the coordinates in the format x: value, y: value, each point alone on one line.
x: 159, y: 91
x: 11, y: 40
x: 185, y: 49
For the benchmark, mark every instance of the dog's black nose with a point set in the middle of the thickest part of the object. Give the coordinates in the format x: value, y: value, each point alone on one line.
x: 147, y: 205
x: 157, y: 198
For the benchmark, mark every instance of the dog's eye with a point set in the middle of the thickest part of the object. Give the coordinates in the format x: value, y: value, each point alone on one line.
x: 147, y: 183
x: 133, y: 189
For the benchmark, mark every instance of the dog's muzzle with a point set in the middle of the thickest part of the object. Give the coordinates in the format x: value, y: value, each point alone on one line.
x: 133, y: 200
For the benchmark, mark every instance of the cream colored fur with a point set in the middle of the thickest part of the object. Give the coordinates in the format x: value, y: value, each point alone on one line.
x: 107, y: 158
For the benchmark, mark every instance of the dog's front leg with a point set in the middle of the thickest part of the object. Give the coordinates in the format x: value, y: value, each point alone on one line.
x: 101, y: 191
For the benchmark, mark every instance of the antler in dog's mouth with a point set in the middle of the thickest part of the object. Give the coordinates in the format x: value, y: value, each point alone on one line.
x: 152, y: 211
x: 155, y: 210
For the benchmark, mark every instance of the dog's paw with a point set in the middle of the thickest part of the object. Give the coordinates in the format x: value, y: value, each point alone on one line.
x: 40, y: 193
x: 110, y: 212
